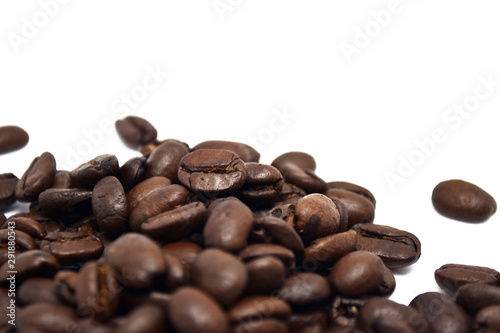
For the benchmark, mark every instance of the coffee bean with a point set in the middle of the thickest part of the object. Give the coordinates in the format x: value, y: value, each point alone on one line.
x: 260, y: 308
x: 8, y: 183
x: 475, y: 297
x: 88, y: 174
x: 62, y: 200
x: 451, y: 277
x: 362, y: 273
x: 353, y: 188
x: 12, y: 138
x: 212, y: 172
x: 31, y: 263
x: 72, y: 247
x: 304, y: 288
x: 463, y: 201
x: 263, y: 250
x: 177, y: 273
x: 132, y: 172
x: 14, y: 241
x: 245, y: 152
x: 324, y: 252
x: 345, y: 310
x: 488, y: 320
x: 145, y: 318
x: 298, y: 168
x: 135, y: 131
x: 264, y: 182
x: 145, y: 188
x: 360, y: 209
x: 310, y: 320
x: 274, y: 230
x: 110, y: 205
x: 46, y: 317
x: 66, y: 286
x: 36, y: 289
x: 265, y: 275
x: 186, y: 252
x: 397, y: 248
x: 195, y: 311
x: 39, y: 176
x: 27, y: 225
x: 62, y: 180
x: 164, y: 160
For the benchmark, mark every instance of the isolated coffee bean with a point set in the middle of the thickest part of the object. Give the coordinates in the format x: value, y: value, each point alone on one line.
x: 463, y: 201
x: 164, y: 159
x: 397, y: 248
x: 145, y: 318
x: 488, y: 320
x: 62, y: 180
x: 265, y: 275
x: 324, y: 252
x: 451, y: 277
x: 12, y: 138
x: 212, y: 172
x: 135, y: 131
x: 245, y: 152
x: 72, y: 247
x: 298, y: 168
x: 29, y: 264
x: 144, y: 189
x: 88, y: 174
x: 304, y: 288
x: 46, y: 317
x: 8, y: 183
x: 353, y: 188
x: 132, y: 172
x: 360, y: 209
x: 254, y: 251
x: 36, y: 289
x: 264, y: 182
x: 475, y: 297
x: 274, y: 230
x: 195, y: 311
x: 39, y: 176
x: 62, y: 200
x: 27, y: 225
x: 362, y: 273
x: 110, y: 205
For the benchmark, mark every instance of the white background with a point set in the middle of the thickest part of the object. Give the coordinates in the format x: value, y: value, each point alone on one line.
x: 230, y: 72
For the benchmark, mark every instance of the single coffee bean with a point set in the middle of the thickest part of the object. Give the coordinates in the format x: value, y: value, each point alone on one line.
x: 220, y: 274
x: 177, y: 223
x: 451, y: 277
x: 39, y: 176
x: 62, y: 200
x: 264, y: 182
x: 254, y: 251
x: 442, y: 313
x: 144, y: 189
x: 135, y: 131
x: 164, y: 160
x: 304, y: 288
x: 488, y: 320
x: 274, y: 230
x: 36, y: 289
x: 177, y: 273
x: 463, y: 201
x: 12, y: 138
x: 360, y: 209
x: 132, y: 172
x: 298, y: 168
x: 88, y: 174
x: 265, y: 275
x: 195, y: 311
x: 244, y: 151
x: 8, y: 183
x: 72, y: 247
x: 62, y: 180
x: 30, y: 263
x: 145, y: 318
x: 27, y: 225
x: 46, y: 317
x: 228, y: 225
x: 345, y: 310
x: 261, y: 326
x: 110, y: 205
x: 362, y: 273
x: 353, y: 188
x: 326, y: 251
x: 397, y: 248
x: 259, y: 307
x: 138, y: 260
x: 475, y: 297
x: 212, y: 172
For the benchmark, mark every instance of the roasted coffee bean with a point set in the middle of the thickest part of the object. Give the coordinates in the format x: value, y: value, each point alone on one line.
x: 177, y: 223
x: 195, y: 311
x: 30, y: 263
x: 442, y: 313
x: 13, y: 242
x: 110, y: 205
x: 245, y: 152
x: 8, y: 183
x: 353, y: 188
x: 220, y: 274
x: 47, y: 318
x: 72, y: 247
x: 304, y: 288
x: 212, y: 172
x: 12, y: 138
x: 261, y: 326
x: 463, y: 201
x: 274, y: 230
x: 132, y: 172
x: 88, y: 174
x: 324, y: 252
x: 37, y: 289
x: 298, y: 168
x: 265, y: 275
x: 62, y: 200
x: 138, y: 260
x: 135, y: 131
x: 313, y: 321
x: 317, y: 216
x: 397, y: 248
x: 264, y: 182
x: 362, y: 273
x: 62, y: 180
x: 164, y: 160
x: 186, y: 252
x: 360, y: 209
x: 98, y: 290
x: 258, y: 307
x: 177, y: 274
x: 451, y: 277
x: 345, y: 310
x: 39, y: 176
x: 27, y: 225
x: 283, y: 211
x: 145, y: 318
x: 488, y: 320
x: 228, y: 225
x: 475, y: 297
x: 66, y: 286
x: 144, y: 189
x: 290, y: 194
x: 263, y: 250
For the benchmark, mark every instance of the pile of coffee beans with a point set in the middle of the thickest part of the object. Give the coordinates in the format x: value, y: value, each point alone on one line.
x: 207, y: 239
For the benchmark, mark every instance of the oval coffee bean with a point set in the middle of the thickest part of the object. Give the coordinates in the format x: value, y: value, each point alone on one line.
x: 61, y: 200
x: 254, y: 251
x: 359, y: 208
x: 39, y: 176
x: 110, y: 205
x: 144, y: 189
x: 132, y: 172
x: 397, y: 248
x: 8, y: 183
x: 212, y: 172
x: 31, y: 263
x: 304, y: 288
x: 72, y: 247
x: 353, y: 188
x: 27, y: 225
x: 265, y: 275
x: 164, y: 160
x: 220, y: 274
x: 88, y: 174
x: 195, y: 311
x: 451, y: 277
x: 12, y: 138
x: 324, y: 252
x: 135, y: 131
x: 262, y: 307
x: 475, y: 297
x: 298, y: 168
x: 463, y: 201
x: 46, y: 317
x: 488, y: 320
x: 264, y: 182
x: 244, y: 151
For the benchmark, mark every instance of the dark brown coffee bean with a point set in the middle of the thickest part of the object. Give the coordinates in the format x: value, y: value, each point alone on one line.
x: 475, y: 297
x: 88, y: 174
x: 345, y: 310
x: 177, y: 273
x: 145, y: 188
x: 164, y: 160
x: 310, y: 320
x: 186, y: 252
x: 138, y: 261
x: 245, y: 152
x: 274, y: 230
x: 260, y: 308
x: 442, y: 313
x: 265, y: 275
x: 290, y: 194
x: 264, y: 182
x: 397, y: 248
x: 66, y: 286
x: 135, y: 131
x: 353, y: 188
x: 47, y: 318
x: 317, y: 216
x: 451, y: 277
x: 360, y: 209
x: 212, y: 172
x: 62, y: 180
x: 132, y: 172
x: 304, y: 288
x: 228, y: 225
x: 27, y: 225
x: 39, y: 176
x: 324, y: 252
x: 177, y: 223
x: 298, y: 168
x: 261, y: 326
x: 62, y: 200
x: 12, y: 138
x: 145, y: 318
x: 488, y: 320
x: 361, y: 273
x: 264, y: 250
x: 98, y: 290
x: 30, y: 263
x: 36, y: 289
x: 110, y: 205
x: 463, y: 201
x: 72, y: 247
x: 8, y: 183
x: 195, y: 311
x: 220, y: 274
